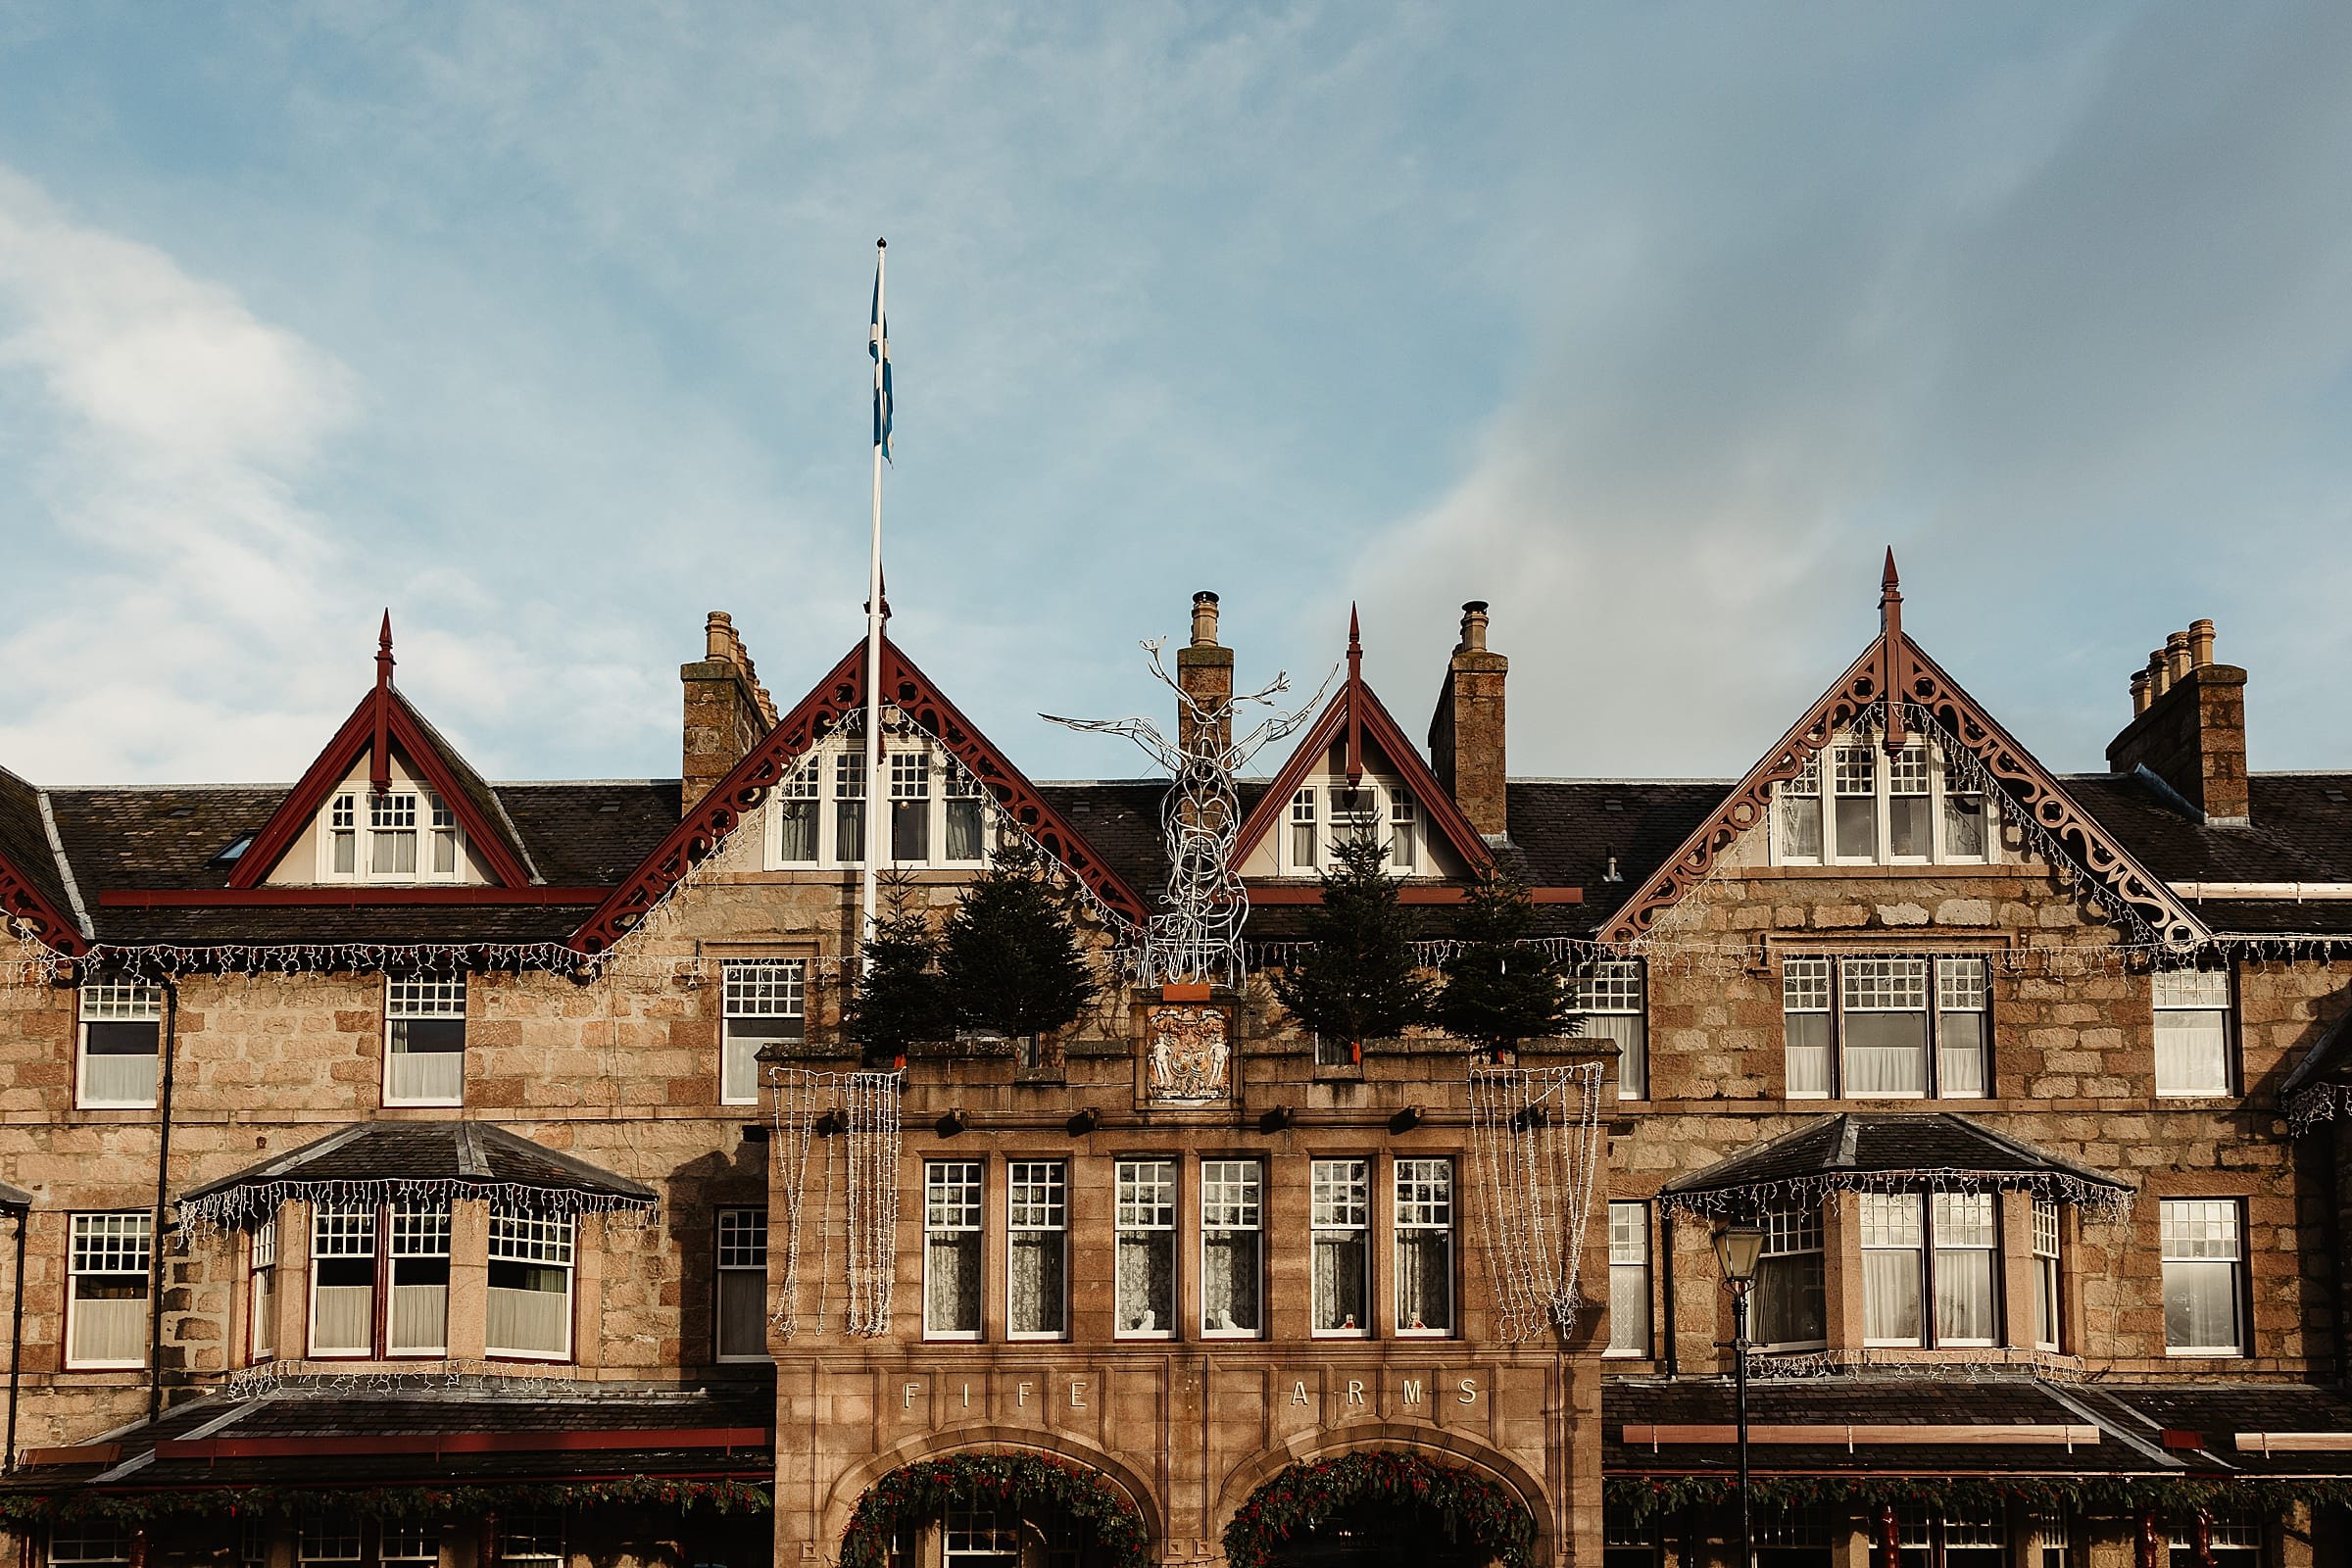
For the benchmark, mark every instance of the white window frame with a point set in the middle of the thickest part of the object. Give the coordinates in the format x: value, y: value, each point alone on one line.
x: 2049, y: 1277
x: 1617, y: 988
x: 740, y: 1252
x: 1931, y: 1228
x: 1146, y: 1205
x: 1792, y: 1233
x: 323, y: 1538
x: 1629, y: 1279
x: 2196, y: 994
x: 1896, y: 1224
x: 1036, y: 1202
x: 539, y: 1241
x: 339, y: 1233
x: 261, y: 1294
x: 1339, y: 1210
x: 756, y: 989
x: 1817, y: 786
x: 89, y: 1542
x: 415, y: 1233
x: 116, y: 1244
x: 1405, y: 832
x: 414, y: 807
x: 413, y: 1542
x: 116, y: 1001
x: 1304, y: 811
x: 1822, y: 986
x: 433, y: 1002
x: 1422, y: 1194
x: 2176, y: 1217
x: 832, y: 775
x: 1242, y: 1213
x: 956, y: 1205
x: 1387, y: 809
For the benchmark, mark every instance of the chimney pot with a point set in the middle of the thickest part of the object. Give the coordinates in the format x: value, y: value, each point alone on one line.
x: 2200, y: 642
x: 2176, y: 656
x: 1205, y: 619
x: 1474, y: 626
x: 2188, y: 727
x: 2160, y: 675
x: 2139, y: 692
x: 719, y: 634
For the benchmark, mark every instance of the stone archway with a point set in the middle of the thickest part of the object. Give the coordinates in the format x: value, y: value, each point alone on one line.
x: 1005, y: 1490
x: 1393, y: 1499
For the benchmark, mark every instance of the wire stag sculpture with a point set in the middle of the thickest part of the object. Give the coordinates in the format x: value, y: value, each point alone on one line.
x: 1198, y: 939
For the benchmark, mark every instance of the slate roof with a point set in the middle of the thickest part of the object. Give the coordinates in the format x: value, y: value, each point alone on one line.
x: 2132, y: 1421
x: 25, y: 841
x: 430, y: 1150
x: 1857, y: 1147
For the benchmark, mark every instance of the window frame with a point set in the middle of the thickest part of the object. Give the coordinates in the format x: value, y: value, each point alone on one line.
x: 261, y: 1293
x: 1802, y: 1222
x: 561, y: 1235
x: 830, y: 777
x: 722, y: 1249
x: 141, y: 1233
x: 759, y: 988
x: 1410, y: 1194
x: 415, y: 1000
x: 1817, y: 783
x: 1050, y: 1180
x: 1255, y: 1226
x: 1337, y: 1186
x: 1167, y: 1191
x: 352, y: 809
x: 1630, y: 1223
x: 2049, y: 1273
x: 116, y: 1001
x: 976, y: 1232
x: 2228, y: 1043
x: 1803, y: 972
x: 1929, y: 1251
x: 1607, y: 983
x: 2236, y: 1263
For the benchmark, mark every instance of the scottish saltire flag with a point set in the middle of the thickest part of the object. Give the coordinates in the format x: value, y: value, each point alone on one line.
x: 878, y: 346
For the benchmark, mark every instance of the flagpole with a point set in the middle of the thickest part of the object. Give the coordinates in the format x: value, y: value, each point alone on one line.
x: 873, y: 636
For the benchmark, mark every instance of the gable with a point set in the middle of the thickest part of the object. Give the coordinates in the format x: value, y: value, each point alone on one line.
x: 838, y: 699
x: 34, y: 897
x: 1895, y: 685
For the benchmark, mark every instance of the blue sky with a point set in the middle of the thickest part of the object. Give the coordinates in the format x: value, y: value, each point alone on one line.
x: 1652, y: 325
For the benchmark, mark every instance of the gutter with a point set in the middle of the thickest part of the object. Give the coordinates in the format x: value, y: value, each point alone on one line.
x: 2297, y: 892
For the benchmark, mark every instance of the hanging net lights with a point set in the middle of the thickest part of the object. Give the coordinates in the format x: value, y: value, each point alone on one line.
x: 1535, y: 1145
x: 837, y: 1159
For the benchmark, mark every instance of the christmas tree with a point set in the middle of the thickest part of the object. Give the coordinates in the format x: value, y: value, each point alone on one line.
x: 900, y: 999
x: 1011, y: 956
x: 1356, y: 979
x: 1499, y: 992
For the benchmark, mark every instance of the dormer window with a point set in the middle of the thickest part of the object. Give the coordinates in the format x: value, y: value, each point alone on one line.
x: 1854, y: 803
x: 1321, y: 815
x: 411, y: 835
x: 936, y: 813
x: 1404, y: 828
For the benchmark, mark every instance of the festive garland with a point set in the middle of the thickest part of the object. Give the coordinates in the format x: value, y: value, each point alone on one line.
x: 387, y: 1503
x: 1029, y: 1483
x: 1466, y: 1505
x: 1633, y: 1501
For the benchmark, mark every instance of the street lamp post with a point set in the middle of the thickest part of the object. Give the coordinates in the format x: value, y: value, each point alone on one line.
x: 1737, y: 1249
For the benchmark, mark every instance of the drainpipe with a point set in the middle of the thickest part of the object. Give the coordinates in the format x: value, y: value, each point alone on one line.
x: 16, y: 1343
x: 163, y: 1193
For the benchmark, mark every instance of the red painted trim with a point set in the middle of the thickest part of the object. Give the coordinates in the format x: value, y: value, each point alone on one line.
x: 357, y: 896
x: 301, y: 804
x: 440, y: 1443
x: 1413, y: 772
x: 1281, y: 893
x: 833, y: 700
x: 22, y: 903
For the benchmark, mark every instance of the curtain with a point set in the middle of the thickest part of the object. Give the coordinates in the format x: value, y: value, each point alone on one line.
x: 796, y: 830
x: 1792, y: 1305
x: 1964, y: 1296
x: 2200, y: 1305
x: 952, y: 1289
x: 1340, y: 1282
x: 529, y: 1322
x: 1629, y: 1309
x: 2191, y: 1052
x: 963, y: 830
x: 1858, y: 827
x: 118, y: 1080
x: 742, y: 1311
x: 264, y: 1312
x: 427, y: 1075
x: 1633, y: 1049
x: 1035, y: 1276
x: 1886, y: 1053
x: 110, y: 1320
x: 1963, y: 825
x: 1147, y: 1282
x: 1807, y: 1039
x: 1891, y: 1295
x: 1424, y: 1280
x: 1960, y: 1062
x: 343, y: 1318
x: 1229, y: 1281
x: 419, y: 1317
x: 1907, y: 827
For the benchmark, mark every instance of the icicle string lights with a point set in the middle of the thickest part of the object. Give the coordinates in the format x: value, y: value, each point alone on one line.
x: 1536, y: 1142
x: 298, y: 1378
x: 853, y: 1117
x: 253, y: 1202
x: 2096, y: 1200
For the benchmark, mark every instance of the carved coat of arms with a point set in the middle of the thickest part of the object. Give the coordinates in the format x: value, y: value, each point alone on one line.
x: 1191, y: 1058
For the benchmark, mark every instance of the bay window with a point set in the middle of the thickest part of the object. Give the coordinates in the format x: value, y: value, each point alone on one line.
x: 2204, y: 1279
x: 1792, y: 1301
x: 1628, y: 1279
x: 342, y: 1281
x: 742, y: 1285
x: 121, y: 1035
x: 1894, y: 1028
x: 261, y: 1297
x: 2046, y: 1319
x: 1609, y: 1003
x: 530, y: 1284
x: 1232, y: 1219
x: 1038, y: 1250
x: 106, y: 1295
x: 1145, y: 1264
x: 763, y: 1001
x: 424, y: 1042
x: 411, y: 1244
x: 1341, y: 1225
x: 952, y: 1217
x: 1424, y: 1219
x: 1967, y: 1242
x: 419, y: 1323
x: 2192, y: 1031
x: 1922, y: 1248
x: 1892, y: 1268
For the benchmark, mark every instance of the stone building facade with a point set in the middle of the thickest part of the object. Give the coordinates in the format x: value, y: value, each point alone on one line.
x: 416, y: 1169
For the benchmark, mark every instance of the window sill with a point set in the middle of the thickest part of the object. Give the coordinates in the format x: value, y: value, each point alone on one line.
x: 1232, y: 1336
x: 1425, y: 1333
x: 1343, y: 1336
x: 115, y: 1105
x: 424, y: 1105
x: 1131, y: 1337
x: 537, y: 1357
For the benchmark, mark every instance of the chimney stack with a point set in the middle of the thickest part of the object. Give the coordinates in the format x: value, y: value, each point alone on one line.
x: 727, y: 709
x: 2188, y: 726
x: 1204, y: 673
x: 1466, y: 733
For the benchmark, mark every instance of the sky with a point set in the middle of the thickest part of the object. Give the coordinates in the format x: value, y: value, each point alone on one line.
x: 544, y: 326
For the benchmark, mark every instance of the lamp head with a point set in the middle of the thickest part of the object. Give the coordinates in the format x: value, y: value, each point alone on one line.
x: 1738, y: 1246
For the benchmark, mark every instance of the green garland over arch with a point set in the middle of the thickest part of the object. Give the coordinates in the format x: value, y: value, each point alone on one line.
x: 918, y: 1492
x: 1635, y: 1499
x: 1471, y: 1506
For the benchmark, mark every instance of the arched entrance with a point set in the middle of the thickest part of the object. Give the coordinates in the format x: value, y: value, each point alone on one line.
x: 1381, y: 1510
x: 1000, y: 1508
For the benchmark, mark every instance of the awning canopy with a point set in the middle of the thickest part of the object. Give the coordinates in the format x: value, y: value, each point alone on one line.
x: 1895, y: 1152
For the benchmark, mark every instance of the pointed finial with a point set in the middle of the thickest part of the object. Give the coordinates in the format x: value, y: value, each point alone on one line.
x: 1889, y: 580
x: 383, y: 651
x: 1355, y: 633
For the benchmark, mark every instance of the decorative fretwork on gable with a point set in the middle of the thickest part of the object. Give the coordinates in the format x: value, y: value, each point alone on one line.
x: 838, y: 699
x: 27, y: 912
x: 1893, y: 687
